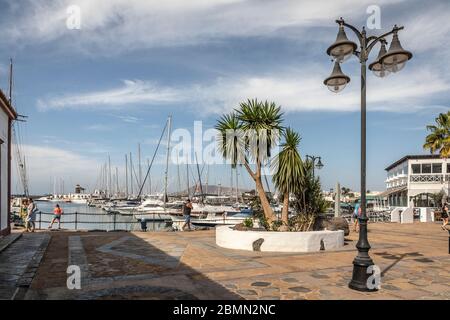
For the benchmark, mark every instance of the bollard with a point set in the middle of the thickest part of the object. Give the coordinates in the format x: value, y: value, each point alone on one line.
x: 76, y: 220
x: 40, y: 218
x: 448, y: 240
x: 114, y: 222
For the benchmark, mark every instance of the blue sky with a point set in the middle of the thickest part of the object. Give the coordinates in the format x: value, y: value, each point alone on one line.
x: 110, y: 85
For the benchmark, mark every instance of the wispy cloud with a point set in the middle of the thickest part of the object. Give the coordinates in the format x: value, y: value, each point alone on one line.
x: 299, y: 90
x: 128, y: 119
x: 109, y: 26
x: 76, y: 145
x: 99, y: 127
x: 132, y: 91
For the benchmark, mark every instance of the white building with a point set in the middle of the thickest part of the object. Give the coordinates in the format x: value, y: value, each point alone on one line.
x: 413, y: 180
x: 7, y: 115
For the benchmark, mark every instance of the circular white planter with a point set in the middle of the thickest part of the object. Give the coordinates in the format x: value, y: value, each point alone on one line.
x: 309, y: 241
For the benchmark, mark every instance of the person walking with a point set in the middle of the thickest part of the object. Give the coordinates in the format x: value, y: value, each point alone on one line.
x: 444, y: 215
x: 187, y: 208
x: 57, y: 213
x: 356, y: 214
x: 31, y: 216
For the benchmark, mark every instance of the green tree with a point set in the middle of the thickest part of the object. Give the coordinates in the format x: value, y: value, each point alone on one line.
x: 288, y: 167
x: 246, y: 137
x: 309, y: 201
x: 439, y: 137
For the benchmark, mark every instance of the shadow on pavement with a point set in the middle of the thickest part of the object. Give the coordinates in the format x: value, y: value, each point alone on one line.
x: 121, y: 265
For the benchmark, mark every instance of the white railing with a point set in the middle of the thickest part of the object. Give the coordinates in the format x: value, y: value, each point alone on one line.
x: 439, y: 178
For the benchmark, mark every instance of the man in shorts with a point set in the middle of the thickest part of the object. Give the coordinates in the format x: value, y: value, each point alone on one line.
x: 187, y: 207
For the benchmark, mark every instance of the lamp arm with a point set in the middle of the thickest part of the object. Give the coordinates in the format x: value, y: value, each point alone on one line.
x: 377, y: 39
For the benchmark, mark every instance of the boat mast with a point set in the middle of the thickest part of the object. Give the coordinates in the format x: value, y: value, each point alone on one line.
x: 117, y: 181
x: 131, y: 174
x: 105, y: 178
x: 139, y: 164
x: 207, y: 178
x: 187, y: 175
x: 149, y: 178
x: 199, y: 178
x: 126, y: 175
x: 169, y: 123
x: 15, y: 133
x: 109, y: 177
x: 178, y: 174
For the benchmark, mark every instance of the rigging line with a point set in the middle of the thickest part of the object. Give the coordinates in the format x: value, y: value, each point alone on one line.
x: 193, y: 174
x: 135, y: 175
x: 153, y: 158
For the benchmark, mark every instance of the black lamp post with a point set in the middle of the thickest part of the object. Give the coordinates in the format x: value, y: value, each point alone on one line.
x: 318, y: 165
x: 391, y: 61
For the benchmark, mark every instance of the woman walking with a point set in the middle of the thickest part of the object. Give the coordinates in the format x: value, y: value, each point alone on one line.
x: 31, y: 216
x: 356, y: 214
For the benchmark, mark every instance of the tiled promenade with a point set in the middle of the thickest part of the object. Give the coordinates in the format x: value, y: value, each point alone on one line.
x: 413, y: 258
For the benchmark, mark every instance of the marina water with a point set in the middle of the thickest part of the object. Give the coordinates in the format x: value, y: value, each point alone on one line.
x: 83, y: 217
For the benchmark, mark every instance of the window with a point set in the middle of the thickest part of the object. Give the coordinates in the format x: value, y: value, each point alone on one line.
x: 437, y: 167
x: 405, y: 169
x: 448, y: 168
x: 415, y: 168
x: 426, y: 167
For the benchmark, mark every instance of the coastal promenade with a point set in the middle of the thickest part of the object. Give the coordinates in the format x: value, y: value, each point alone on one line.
x: 413, y: 258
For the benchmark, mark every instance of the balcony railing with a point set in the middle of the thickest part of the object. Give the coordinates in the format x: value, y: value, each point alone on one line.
x: 426, y: 178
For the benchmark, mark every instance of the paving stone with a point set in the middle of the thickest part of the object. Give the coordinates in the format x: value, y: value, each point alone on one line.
x: 270, y: 298
x: 319, y: 276
x: 260, y: 284
x: 290, y: 280
x: 389, y: 287
x: 300, y: 289
x: 247, y: 292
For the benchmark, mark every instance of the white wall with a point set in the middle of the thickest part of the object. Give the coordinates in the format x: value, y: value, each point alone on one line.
x: 309, y: 241
x: 4, y: 170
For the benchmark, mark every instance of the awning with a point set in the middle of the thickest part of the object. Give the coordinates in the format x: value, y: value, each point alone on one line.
x: 391, y: 191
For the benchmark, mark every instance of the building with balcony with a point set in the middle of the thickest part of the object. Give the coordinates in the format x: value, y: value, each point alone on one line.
x: 7, y: 115
x: 415, y: 181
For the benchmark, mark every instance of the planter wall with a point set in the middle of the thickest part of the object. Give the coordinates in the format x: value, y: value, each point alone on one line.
x: 310, y: 241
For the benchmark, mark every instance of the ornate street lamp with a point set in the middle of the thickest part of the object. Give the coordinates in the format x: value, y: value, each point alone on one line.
x: 391, y: 61
x: 337, y: 81
x: 318, y: 165
x: 377, y: 67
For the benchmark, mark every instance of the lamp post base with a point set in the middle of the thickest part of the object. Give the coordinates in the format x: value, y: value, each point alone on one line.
x: 360, y: 278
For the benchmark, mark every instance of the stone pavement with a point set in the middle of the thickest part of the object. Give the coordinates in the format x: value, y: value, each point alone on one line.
x: 19, y: 261
x: 413, y: 258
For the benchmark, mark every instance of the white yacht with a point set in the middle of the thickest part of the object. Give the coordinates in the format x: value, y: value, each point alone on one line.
x: 213, y: 219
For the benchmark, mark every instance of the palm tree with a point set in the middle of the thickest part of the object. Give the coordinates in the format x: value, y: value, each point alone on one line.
x: 246, y: 137
x: 439, y: 138
x: 289, y: 171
